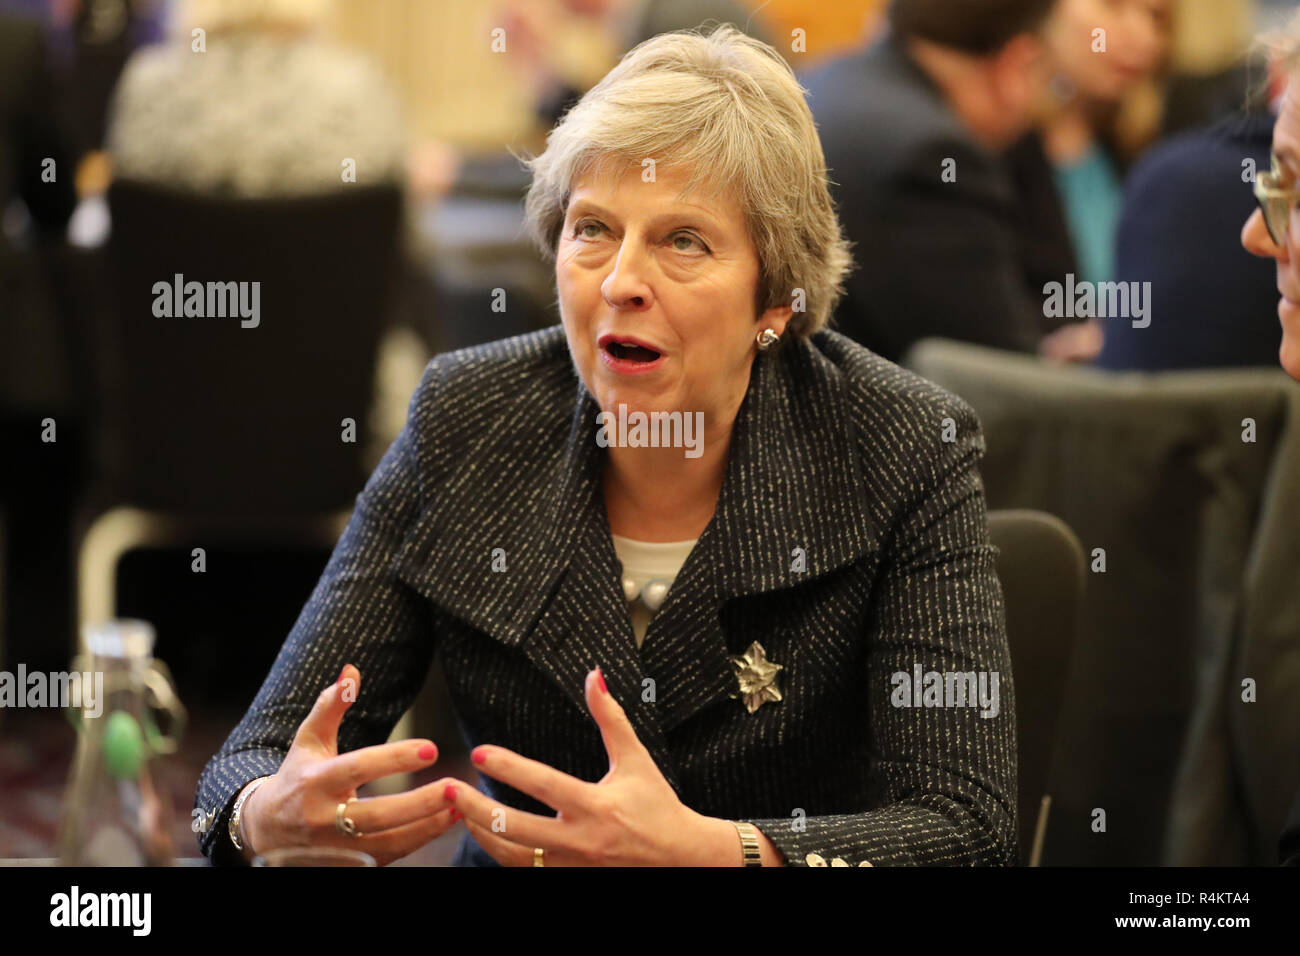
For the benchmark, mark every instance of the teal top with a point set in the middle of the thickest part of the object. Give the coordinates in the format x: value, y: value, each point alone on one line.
x: 1092, y: 196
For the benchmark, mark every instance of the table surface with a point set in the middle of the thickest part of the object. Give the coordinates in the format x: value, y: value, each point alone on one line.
x: 53, y: 861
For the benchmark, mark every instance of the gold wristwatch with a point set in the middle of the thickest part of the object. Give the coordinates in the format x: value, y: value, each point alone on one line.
x: 748, y: 843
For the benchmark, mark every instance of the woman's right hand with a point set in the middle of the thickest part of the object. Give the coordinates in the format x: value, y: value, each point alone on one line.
x: 296, y: 806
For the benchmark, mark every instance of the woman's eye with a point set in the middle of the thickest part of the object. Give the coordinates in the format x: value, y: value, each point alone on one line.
x: 689, y: 238
x: 682, y: 241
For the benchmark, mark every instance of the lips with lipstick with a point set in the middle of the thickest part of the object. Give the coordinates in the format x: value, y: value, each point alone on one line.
x: 627, y: 354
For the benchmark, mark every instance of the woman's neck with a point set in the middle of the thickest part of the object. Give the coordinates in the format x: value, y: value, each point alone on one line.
x: 658, y: 494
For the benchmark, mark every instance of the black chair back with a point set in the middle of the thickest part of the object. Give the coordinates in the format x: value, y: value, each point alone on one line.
x: 1185, y: 489
x: 1041, y: 567
x: 245, y: 414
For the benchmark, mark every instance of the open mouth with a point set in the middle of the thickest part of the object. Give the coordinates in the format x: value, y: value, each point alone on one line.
x: 627, y: 354
x: 631, y: 353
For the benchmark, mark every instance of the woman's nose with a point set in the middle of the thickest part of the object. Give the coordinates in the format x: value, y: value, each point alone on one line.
x: 1257, y: 241
x: 625, y: 287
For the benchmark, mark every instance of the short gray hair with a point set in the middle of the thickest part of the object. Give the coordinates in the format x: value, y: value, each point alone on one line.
x: 728, y: 108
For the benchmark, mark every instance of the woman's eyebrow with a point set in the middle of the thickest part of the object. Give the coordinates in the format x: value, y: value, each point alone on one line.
x: 693, y: 216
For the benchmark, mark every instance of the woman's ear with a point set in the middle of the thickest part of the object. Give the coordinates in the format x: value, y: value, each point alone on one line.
x: 776, y: 318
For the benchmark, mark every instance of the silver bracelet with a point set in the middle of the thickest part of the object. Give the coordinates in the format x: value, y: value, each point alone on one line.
x: 235, y: 829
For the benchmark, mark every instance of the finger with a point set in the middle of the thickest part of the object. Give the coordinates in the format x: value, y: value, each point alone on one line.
x: 621, y: 741
x: 372, y: 814
x: 320, y: 730
x: 544, y: 783
x: 387, y: 846
x: 518, y: 826
x: 347, y: 772
x: 505, y: 852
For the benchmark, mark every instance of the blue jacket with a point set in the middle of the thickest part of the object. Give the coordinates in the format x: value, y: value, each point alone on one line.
x: 1212, y: 304
x: 849, y: 540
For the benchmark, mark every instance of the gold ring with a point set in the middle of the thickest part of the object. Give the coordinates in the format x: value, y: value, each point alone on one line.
x: 537, y: 856
x: 345, y: 825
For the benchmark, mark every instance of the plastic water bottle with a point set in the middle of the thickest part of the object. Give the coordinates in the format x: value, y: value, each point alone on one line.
x: 113, y: 815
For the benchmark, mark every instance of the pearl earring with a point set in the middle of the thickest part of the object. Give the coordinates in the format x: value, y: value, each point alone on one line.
x: 766, y: 339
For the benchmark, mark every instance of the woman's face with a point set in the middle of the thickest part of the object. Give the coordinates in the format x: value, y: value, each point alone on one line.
x: 657, y: 295
x: 1135, y: 39
x: 1256, y: 239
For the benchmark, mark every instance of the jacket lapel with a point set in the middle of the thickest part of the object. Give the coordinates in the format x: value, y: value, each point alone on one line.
x: 791, y: 509
x: 587, y: 624
x: 559, y: 599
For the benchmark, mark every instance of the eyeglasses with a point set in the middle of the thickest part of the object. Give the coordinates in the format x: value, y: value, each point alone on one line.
x: 1275, y: 201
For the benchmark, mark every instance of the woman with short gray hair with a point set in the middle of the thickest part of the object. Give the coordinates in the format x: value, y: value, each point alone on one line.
x: 751, y: 135
x: 686, y: 559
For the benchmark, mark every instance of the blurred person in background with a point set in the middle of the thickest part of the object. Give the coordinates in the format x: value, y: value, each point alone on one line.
x: 1069, y: 172
x: 1211, y: 304
x: 1273, y: 232
x: 267, y: 108
x: 913, y: 129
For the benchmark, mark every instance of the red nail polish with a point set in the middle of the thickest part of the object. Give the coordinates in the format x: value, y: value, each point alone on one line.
x: 479, y: 757
x: 427, y: 752
x: 456, y: 815
x: 450, y: 792
x: 601, y: 679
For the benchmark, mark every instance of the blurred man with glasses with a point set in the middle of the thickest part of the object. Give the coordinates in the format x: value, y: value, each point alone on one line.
x: 1268, y: 232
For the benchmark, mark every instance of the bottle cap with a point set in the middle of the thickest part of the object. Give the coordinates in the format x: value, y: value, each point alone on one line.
x: 122, y: 638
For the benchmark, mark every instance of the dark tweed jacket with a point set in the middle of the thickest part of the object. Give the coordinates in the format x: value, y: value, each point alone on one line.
x: 863, y: 469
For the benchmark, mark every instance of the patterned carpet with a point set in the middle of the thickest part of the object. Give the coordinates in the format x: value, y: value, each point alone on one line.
x: 36, y: 750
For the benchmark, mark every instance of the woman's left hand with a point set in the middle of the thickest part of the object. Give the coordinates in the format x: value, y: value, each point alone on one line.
x: 631, y: 817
